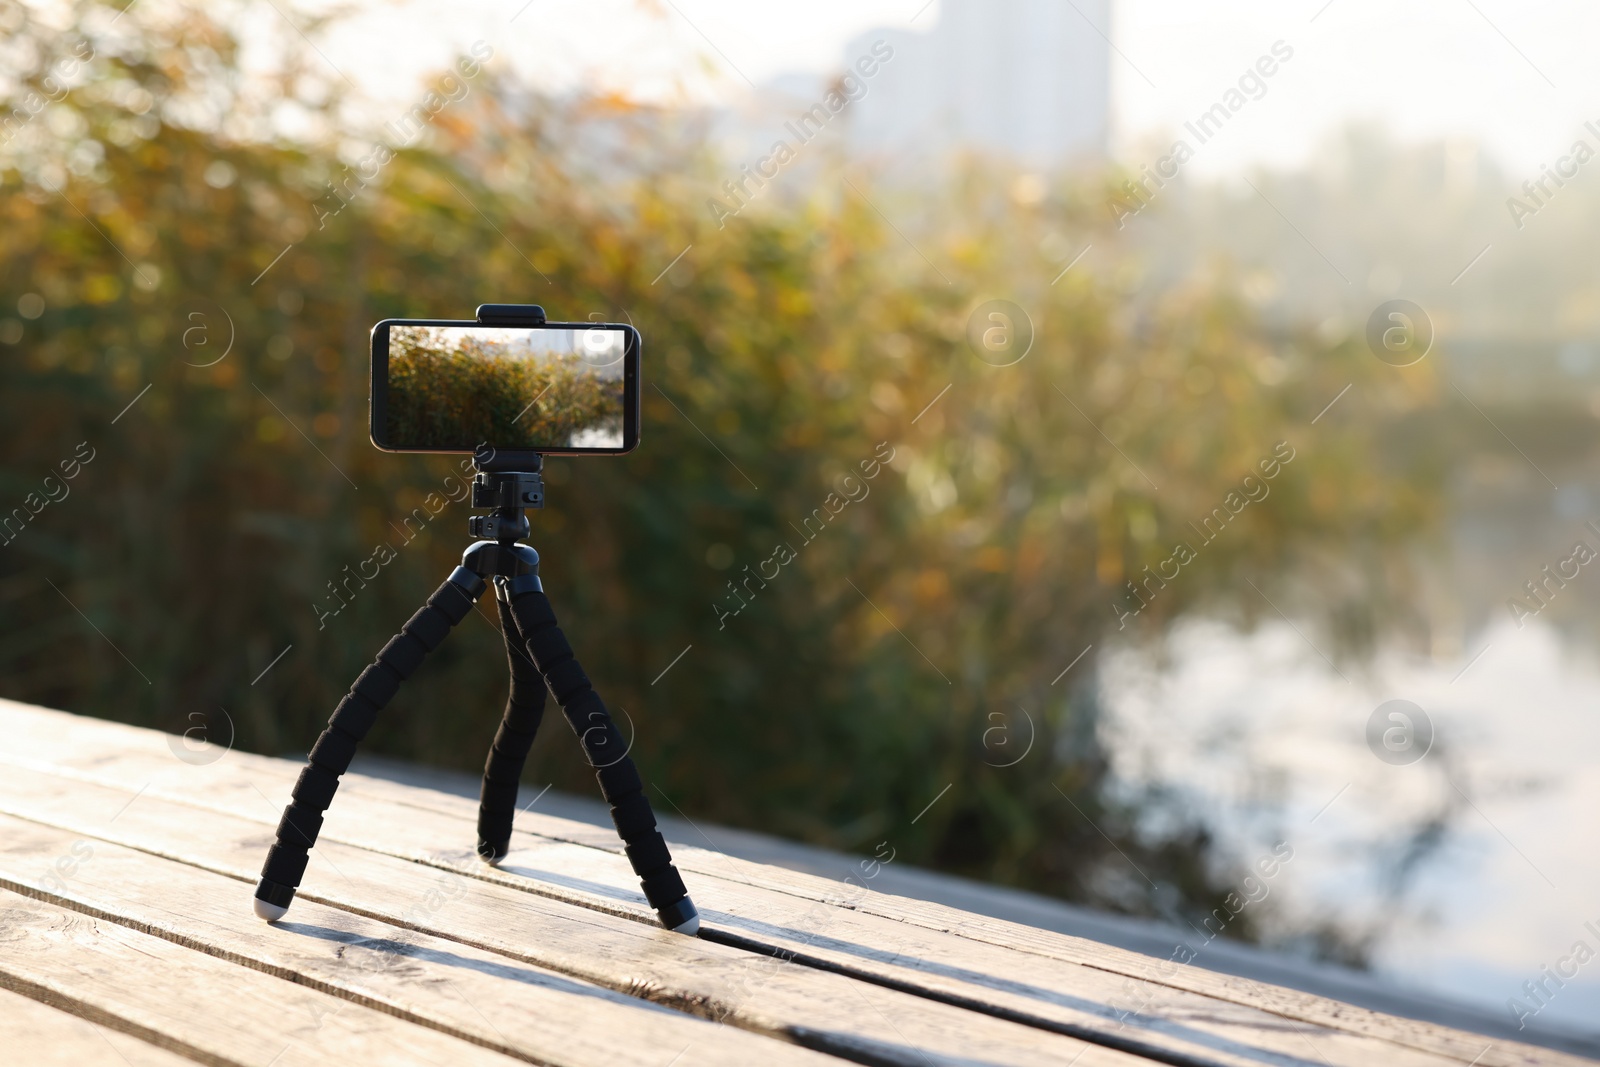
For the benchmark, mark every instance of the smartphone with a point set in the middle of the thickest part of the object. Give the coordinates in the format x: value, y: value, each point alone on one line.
x: 560, y: 388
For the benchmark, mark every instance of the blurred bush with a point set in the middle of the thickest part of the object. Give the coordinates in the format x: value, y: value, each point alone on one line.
x: 154, y: 199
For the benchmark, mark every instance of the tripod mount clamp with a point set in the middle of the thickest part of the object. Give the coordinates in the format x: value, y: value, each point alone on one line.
x: 508, y: 492
x: 508, y: 484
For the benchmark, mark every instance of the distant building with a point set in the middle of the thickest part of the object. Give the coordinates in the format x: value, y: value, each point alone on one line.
x: 1026, y: 80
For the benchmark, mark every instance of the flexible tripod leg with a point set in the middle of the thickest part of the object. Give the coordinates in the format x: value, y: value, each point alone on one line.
x: 497, y: 801
x: 330, y: 756
x: 607, y: 754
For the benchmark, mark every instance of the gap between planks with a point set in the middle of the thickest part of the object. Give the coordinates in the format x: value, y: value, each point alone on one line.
x: 536, y: 1015
x: 40, y: 1035
x: 112, y: 741
x: 45, y: 724
x: 196, y: 1005
x: 813, y: 1008
x: 1190, y: 1031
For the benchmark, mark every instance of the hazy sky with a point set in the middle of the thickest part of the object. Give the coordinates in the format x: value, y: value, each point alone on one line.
x: 1517, y: 77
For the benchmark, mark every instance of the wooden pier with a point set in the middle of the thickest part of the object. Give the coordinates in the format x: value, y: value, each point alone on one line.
x: 130, y: 857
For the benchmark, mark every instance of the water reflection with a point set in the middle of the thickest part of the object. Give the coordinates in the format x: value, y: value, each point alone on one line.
x: 1466, y: 872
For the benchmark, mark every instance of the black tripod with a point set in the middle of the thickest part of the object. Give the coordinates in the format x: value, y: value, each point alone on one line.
x: 540, y: 659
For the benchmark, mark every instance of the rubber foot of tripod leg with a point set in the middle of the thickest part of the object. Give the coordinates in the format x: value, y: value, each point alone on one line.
x: 272, y: 900
x: 681, y: 918
x: 491, y: 853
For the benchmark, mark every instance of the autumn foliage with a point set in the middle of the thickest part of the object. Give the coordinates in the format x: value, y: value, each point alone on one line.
x: 786, y: 348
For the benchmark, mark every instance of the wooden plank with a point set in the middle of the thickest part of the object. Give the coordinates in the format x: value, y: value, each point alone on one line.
x: 874, y: 936
x: 41, y: 1036
x: 208, y: 1009
x: 1021, y: 986
x: 363, y: 814
x: 1457, y: 1045
x: 820, y: 1010
x: 1293, y: 1004
x: 528, y: 1012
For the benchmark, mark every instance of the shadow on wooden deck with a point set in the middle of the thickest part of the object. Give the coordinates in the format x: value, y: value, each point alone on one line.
x: 1151, y: 937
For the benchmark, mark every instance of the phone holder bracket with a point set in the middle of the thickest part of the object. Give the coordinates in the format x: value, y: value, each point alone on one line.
x: 511, y: 314
x: 508, y: 489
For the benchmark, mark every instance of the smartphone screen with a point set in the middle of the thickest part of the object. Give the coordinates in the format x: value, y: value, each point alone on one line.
x: 559, y: 388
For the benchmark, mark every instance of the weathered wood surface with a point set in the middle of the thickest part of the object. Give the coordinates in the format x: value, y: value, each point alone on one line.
x: 555, y: 958
x: 196, y: 1004
x: 41, y: 1036
x: 519, y: 1009
x: 797, y: 1003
